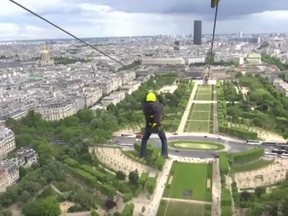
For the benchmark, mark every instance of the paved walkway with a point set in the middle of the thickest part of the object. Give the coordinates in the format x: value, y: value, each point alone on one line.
x: 204, y: 101
x: 186, y: 113
x: 215, y: 112
x: 185, y: 200
x: 157, y: 196
x: 216, y: 190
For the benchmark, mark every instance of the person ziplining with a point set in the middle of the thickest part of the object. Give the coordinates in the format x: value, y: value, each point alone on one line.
x: 152, y: 109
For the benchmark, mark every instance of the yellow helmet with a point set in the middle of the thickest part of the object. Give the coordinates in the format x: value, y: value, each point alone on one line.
x: 151, y: 97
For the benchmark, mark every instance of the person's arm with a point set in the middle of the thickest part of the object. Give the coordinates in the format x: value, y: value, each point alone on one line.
x: 145, y: 114
x: 161, y: 100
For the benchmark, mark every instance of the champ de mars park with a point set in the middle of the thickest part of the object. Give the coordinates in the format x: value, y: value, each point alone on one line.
x: 212, y: 169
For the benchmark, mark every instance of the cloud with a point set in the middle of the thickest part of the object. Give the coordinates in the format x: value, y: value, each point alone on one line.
x: 228, y: 8
x: 108, y: 18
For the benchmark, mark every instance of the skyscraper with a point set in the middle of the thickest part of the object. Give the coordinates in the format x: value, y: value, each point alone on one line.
x: 197, y: 32
x: 176, y: 45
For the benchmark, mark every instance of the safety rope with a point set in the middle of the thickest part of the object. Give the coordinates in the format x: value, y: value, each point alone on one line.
x: 212, y: 41
x: 68, y: 33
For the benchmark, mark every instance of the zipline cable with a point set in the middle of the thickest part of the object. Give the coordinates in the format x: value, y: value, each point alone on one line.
x: 68, y: 33
x: 213, y: 37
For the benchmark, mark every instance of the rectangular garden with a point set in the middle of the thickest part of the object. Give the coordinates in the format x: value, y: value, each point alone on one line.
x: 189, y: 181
x: 199, y: 119
x: 204, y: 93
x: 172, y: 208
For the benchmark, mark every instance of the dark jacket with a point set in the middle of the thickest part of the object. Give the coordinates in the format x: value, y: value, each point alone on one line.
x: 155, y: 109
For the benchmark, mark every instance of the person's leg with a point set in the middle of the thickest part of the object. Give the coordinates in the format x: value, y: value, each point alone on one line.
x: 145, y: 138
x: 164, y: 143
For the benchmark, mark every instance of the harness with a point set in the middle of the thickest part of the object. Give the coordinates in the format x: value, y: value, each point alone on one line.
x: 152, y: 122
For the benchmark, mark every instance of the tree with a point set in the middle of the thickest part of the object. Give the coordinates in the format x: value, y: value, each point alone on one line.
x: 110, y: 204
x: 120, y: 175
x: 94, y: 213
x: 45, y: 207
x: 5, y: 212
x: 25, y: 196
x: 259, y: 191
x: 246, y: 195
x: 134, y: 177
x: 50, y: 207
x: 257, y: 209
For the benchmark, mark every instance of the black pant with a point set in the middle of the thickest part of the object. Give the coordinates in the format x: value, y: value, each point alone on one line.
x: 145, y: 138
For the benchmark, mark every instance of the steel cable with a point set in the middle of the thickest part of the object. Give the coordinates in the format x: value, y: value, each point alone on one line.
x: 68, y: 33
x: 212, y: 41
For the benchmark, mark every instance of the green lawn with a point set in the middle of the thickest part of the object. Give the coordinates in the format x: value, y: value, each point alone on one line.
x: 189, y: 177
x: 173, y: 208
x: 199, y: 145
x: 201, y: 107
x: 253, y: 166
x: 197, y: 115
x: 199, y: 119
x: 204, y: 89
x: 203, y: 93
x: 203, y: 96
x: 198, y: 126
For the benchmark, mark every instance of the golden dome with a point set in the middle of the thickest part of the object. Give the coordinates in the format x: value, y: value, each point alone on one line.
x: 45, y: 49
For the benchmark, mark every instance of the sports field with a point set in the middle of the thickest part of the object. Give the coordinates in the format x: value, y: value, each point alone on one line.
x: 191, y: 181
x: 199, y: 119
x: 172, y: 208
x: 204, y: 92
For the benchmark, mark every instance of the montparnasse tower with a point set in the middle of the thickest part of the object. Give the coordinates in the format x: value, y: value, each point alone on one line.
x: 45, y: 56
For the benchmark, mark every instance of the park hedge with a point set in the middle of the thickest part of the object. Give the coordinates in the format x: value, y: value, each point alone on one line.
x: 71, y: 162
x: 235, y: 194
x: 87, y: 178
x: 100, y: 176
x: 223, y: 163
x: 155, y: 154
x: 159, y: 161
x: 238, y: 132
x: 253, y: 115
x: 108, y: 190
x: 99, y: 173
x: 226, y: 211
x: 226, y: 199
x: 128, y: 210
x: 282, y: 121
x: 150, y: 149
x: 151, y: 184
x: 245, y: 157
x: 143, y: 178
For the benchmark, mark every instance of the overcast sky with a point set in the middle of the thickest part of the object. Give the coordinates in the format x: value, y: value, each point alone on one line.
x: 109, y: 18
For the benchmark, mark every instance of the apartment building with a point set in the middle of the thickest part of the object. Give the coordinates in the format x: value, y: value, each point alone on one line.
x: 111, y: 85
x: 118, y: 94
x: 163, y: 61
x: 12, y: 169
x: 110, y: 100
x: 127, y: 76
x: 193, y: 60
x: 4, y: 180
x: 131, y: 87
x: 26, y: 157
x: 57, y: 110
x: 92, y: 96
x: 7, y: 142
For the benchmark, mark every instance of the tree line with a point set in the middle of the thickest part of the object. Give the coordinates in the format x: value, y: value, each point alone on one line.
x: 70, y: 139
